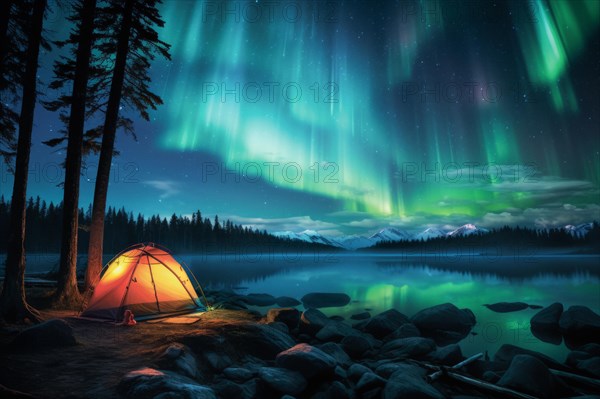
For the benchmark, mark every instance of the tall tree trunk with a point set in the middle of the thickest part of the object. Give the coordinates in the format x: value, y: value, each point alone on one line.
x: 67, y: 293
x: 13, y: 302
x: 96, y: 244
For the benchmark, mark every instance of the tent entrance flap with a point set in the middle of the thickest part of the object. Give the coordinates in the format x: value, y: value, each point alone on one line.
x: 145, y: 279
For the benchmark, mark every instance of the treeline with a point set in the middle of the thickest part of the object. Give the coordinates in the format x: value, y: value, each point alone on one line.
x: 505, y: 238
x: 181, y: 234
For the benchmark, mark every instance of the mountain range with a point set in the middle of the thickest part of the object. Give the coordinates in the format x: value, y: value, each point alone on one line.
x: 353, y: 242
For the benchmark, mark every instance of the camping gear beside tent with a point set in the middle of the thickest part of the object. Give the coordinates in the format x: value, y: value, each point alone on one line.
x: 146, y: 280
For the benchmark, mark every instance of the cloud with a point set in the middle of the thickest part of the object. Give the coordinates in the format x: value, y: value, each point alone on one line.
x: 167, y: 188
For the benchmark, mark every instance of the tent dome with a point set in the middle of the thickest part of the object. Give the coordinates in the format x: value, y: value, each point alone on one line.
x: 145, y: 279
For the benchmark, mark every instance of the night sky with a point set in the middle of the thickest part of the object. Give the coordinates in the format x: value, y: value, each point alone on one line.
x: 347, y: 117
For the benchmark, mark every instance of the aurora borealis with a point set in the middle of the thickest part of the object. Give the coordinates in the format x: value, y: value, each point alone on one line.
x: 351, y: 116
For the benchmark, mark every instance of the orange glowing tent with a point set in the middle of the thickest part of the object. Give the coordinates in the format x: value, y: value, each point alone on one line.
x: 146, y: 280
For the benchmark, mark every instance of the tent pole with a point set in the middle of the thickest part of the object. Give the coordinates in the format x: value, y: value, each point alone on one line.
x: 153, y: 284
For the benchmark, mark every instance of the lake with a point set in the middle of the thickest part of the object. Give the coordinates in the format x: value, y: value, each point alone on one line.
x: 408, y: 283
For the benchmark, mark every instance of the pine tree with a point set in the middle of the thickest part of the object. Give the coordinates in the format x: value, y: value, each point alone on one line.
x: 77, y: 70
x: 136, y: 45
x: 13, y: 302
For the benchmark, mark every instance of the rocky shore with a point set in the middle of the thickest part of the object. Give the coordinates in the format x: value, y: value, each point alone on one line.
x: 238, y: 351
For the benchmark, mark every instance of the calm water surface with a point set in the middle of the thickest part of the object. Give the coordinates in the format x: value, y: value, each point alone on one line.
x: 410, y: 283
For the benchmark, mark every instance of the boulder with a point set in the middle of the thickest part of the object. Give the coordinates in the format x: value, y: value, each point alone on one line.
x: 356, y: 371
x: 386, y: 370
x: 335, y: 331
x: 263, y: 341
x: 507, y: 352
x: 324, y: 300
x: 258, y: 340
x: 548, y: 317
x: 337, y: 390
x: 289, y: 316
x: 312, y: 320
x: 385, y: 323
x: 580, y: 324
x: 287, y: 302
x: 355, y: 345
x: 151, y: 383
x: 590, y: 366
x: 279, y: 326
x: 334, y: 350
x: 216, y: 360
x: 544, y: 324
x: 529, y: 375
x: 361, y: 316
x: 406, y: 330
x: 53, y: 333
x: 413, y: 347
x: 447, y: 355
x: 226, y: 389
x: 259, y: 299
x: 408, y: 382
x: 282, y: 380
x: 506, y: 307
x: 307, y: 360
x: 238, y: 374
x: 369, y: 381
x: 444, y: 323
x: 179, y: 358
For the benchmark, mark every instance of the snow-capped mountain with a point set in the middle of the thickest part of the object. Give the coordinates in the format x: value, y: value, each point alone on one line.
x: 429, y: 233
x: 467, y: 230
x: 310, y: 236
x: 390, y: 234
x: 355, y: 242
x: 580, y: 230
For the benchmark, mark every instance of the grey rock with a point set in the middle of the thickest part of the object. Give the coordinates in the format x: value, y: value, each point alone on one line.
x: 447, y: 355
x: 279, y: 326
x: 287, y: 302
x: 581, y: 324
x: 335, y: 331
x: 590, y: 366
x: 312, y: 320
x: 288, y: 316
x: 385, y: 323
x: 337, y: 390
x: 356, y: 371
x: 53, y: 333
x: 179, y: 358
x: 406, y: 330
x: 544, y: 324
x: 529, y: 375
x: 217, y: 361
x: 548, y: 317
x: 507, y: 352
x: 151, y: 383
x: 307, y: 360
x: 355, y: 345
x: 324, y: 300
x: 238, y: 374
x: 445, y: 323
x: 282, y: 380
x: 408, y: 382
x: 334, y: 350
x: 413, y: 347
x: 361, y: 316
x: 259, y: 299
x: 369, y: 381
x: 506, y: 307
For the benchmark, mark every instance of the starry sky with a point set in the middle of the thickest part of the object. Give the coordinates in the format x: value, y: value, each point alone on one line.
x: 347, y: 117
